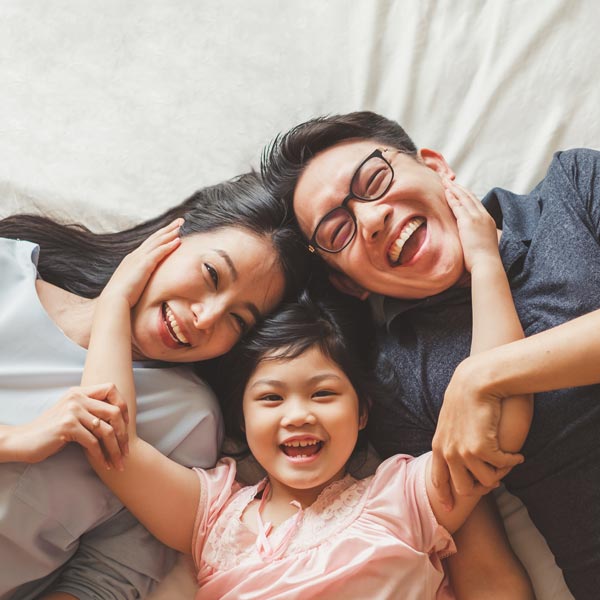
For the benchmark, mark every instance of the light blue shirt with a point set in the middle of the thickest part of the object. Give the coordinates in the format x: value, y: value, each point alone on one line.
x: 58, y: 512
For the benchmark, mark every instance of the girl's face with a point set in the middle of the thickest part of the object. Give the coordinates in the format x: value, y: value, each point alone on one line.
x: 205, y: 295
x: 302, y: 420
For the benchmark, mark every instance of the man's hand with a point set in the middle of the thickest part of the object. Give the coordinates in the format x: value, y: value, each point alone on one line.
x: 465, y: 444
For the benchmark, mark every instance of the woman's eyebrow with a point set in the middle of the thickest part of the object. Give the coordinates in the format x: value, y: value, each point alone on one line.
x: 234, y: 275
x: 227, y: 259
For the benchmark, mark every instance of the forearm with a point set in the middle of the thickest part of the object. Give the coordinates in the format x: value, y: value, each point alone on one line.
x: 495, y: 319
x: 495, y: 322
x: 7, y: 450
x: 109, y: 353
x: 485, y: 565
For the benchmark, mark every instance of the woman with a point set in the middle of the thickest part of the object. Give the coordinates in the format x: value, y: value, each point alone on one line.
x: 62, y: 533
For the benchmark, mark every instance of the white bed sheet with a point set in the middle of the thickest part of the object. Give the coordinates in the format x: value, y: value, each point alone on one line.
x: 111, y: 112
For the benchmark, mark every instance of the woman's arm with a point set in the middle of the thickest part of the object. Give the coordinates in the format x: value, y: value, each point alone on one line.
x: 81, y: 415
x: 162, y: 494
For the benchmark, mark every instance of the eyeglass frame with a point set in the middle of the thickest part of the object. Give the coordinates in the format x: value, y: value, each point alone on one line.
x: 313, y: 245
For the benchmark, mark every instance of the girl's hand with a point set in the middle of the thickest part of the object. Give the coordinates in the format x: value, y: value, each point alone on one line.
x: 476, y: 228
x: 132, y: 275
x: 95, y: 417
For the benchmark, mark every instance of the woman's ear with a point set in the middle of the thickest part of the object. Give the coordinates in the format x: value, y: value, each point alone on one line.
x: 363, y: 419
x: 435, y: 161
x: 344, y: 284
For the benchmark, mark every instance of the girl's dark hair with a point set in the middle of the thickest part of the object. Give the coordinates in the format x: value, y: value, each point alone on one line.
x: 80, y: 261
x: 287, y: 334
x: 285, y: 158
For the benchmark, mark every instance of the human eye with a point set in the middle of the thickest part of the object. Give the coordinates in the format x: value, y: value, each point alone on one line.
x: 240, y: 323
x: 214, y: 275
x: 324, y: 393
x: 373, y: 179
x: 270, y: 398
x: 335, y: 229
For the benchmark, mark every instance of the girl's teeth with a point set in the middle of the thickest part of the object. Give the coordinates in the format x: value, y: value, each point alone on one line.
x: 409, y: 229
x: 303, y: 443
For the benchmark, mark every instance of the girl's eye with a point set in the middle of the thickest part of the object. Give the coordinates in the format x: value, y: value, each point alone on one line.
x: 271, y: 398
x: 213, y: 274
x: 324, y: 394
x: 240, y: 323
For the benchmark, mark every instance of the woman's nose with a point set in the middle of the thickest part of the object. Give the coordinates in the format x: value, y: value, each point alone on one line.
x: 207, y: 314
x: 371, y: 218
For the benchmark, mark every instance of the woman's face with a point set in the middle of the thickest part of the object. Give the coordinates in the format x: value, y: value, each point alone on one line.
x: 205, y: 295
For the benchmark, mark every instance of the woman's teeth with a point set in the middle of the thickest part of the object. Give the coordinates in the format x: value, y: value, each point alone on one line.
x: 396, y: 248
x: 173, y: 327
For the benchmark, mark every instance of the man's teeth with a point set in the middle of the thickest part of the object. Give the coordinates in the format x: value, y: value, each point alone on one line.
x: 174, y: 326
x: 301, y: 443
x: 407, y: 231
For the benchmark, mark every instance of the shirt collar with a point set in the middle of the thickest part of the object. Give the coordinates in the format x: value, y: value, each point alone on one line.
x: 517, y: 216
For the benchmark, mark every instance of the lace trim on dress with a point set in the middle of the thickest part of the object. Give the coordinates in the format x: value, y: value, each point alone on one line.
x: 339, y: 504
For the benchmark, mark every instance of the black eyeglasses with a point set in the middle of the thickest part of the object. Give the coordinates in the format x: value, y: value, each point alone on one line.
x: 371, y: 180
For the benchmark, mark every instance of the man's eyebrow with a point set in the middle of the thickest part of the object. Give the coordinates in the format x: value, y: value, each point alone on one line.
x: 227, y: 259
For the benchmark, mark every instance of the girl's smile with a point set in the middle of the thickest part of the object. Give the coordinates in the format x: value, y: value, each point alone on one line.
x: 302, y: 421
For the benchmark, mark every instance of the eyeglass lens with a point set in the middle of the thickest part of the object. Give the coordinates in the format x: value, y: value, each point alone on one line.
x: 370, y: 182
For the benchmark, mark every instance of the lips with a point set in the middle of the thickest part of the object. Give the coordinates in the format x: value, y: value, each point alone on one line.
x: 408, y: 242
x: 172, y: 326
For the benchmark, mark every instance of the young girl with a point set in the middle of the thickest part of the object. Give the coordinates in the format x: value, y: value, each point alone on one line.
x: 309, y: 529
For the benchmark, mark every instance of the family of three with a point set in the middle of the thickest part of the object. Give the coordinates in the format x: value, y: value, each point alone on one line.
x: 96, y: 329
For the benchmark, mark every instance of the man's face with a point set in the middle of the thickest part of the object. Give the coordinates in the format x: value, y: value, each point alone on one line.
x: 413, y: 215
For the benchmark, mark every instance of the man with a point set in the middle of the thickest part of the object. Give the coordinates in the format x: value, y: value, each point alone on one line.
x: 373, y: 207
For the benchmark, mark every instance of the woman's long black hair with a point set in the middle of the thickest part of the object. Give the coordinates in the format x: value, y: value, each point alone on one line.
x: 80, y: 261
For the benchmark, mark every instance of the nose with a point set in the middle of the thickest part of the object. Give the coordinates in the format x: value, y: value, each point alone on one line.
x: 297, y: 413
x: 207, y: 314
x: 371, y: 218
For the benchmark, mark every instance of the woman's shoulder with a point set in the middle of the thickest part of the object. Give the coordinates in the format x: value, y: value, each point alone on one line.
x: 18, y: 260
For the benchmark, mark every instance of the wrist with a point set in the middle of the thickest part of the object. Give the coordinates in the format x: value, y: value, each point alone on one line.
x: 9, y: 450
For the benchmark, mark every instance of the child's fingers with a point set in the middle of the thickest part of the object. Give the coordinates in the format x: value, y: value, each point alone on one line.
x: 456, y: 206
x: 163, y: 236
x: 466, y: 197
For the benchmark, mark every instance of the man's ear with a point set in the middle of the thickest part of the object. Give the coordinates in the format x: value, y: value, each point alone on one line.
x: 344, y: 284
x: 435, y: 161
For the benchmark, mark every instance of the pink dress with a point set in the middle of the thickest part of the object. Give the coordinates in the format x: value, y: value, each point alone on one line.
x: 373, y: 538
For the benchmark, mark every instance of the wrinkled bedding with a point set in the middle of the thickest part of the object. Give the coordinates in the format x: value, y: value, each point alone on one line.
x: 111, y: 112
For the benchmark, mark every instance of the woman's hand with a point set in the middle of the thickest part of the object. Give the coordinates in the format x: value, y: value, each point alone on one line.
x: 132, y: 275
x: 95, y: 417
x: 476, y: 228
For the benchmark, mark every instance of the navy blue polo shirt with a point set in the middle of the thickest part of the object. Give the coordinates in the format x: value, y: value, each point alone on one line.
x: 550, y: 249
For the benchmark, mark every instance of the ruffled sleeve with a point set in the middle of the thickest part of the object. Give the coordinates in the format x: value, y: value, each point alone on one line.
x: 216, y: 488
x: 398, y: 497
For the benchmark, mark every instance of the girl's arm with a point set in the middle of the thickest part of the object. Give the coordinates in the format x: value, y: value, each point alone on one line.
x: 495, y: 322
x: 162, y: 494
